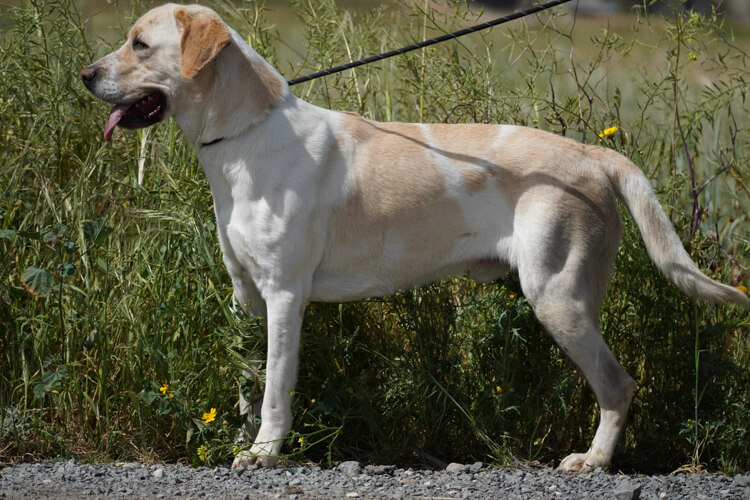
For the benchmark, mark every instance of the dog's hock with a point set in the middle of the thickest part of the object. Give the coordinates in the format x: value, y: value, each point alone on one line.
x: 204, y: 35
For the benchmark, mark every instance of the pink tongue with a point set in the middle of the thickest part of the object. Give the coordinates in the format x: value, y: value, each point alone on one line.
x: 114, y: 118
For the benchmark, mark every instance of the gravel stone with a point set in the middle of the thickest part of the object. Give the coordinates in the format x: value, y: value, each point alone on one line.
x: 628, y: 491
x: 350, y: 468
x: 476, y: 467
x: 376, y: 470
x: 455, y: 468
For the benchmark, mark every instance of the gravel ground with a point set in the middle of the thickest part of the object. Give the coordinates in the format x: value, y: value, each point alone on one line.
x: 69, y: 480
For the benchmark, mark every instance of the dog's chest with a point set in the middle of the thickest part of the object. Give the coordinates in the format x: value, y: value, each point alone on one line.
x: 266, y: 238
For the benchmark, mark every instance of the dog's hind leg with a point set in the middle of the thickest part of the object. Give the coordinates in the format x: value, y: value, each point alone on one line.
x: 564, y: 272
x: 576, y: 332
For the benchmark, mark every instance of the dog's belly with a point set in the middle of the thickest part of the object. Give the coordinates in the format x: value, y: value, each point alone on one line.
x: 333, y: 287
x: 376, y: 268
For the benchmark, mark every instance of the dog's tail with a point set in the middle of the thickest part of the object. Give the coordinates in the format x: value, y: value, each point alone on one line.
x: 662, y: 243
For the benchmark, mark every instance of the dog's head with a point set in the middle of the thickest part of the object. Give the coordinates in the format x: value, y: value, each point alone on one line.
x: 163, y: 67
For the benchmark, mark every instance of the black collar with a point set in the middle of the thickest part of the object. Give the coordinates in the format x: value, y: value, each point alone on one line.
x: 204, y: 144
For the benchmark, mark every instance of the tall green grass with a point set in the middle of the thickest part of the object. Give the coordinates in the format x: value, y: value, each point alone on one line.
x: 116, y: 332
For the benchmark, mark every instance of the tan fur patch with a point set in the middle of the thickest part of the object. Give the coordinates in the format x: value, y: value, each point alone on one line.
x: 474, y: 180
x: 562, y: 175
x: 204, y: 35
x: 392, y: 196
x: 134, y: 32
x: 265, y: 89
x: 125, y: 57
x: 272, y: 85
x: 469, y: 147
x: 389, y: 184
x: 125, y: 61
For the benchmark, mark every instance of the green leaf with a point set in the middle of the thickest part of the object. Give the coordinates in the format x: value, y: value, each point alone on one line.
x: 70, y: 246
x: 40, y: 390
x: 50, y: 381
x: 96, y: 231
x: 38, y: 281
x: 147, y: 397
x: 68, y: 269
x: 104, y: 266
x: 51, y: 233
x: 9, y: 234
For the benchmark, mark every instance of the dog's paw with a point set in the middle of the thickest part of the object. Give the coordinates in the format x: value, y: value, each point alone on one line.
x: 579, y: 462
x: 247, y: 460
x: 261, y: 455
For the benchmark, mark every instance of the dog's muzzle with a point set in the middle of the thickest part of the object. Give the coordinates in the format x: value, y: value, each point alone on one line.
x: 139, y: 113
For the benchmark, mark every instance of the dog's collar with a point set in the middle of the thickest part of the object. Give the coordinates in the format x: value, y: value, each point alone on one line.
x: 204, y: 144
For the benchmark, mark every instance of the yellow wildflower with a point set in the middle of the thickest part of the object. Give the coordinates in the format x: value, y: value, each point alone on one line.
x: 742, y: 288
x: 693, y: 56
x: 163, y: 389
x: 235, y: 450
x: 203, y: 453
x: 210, y: 416
x: 301, y: 440
x: 609, y: 132
x: 512, y: 296
x: 498, y: 389
x: 171, y: 395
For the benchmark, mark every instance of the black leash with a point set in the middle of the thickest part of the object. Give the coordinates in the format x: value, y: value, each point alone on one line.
x: 427, y: 43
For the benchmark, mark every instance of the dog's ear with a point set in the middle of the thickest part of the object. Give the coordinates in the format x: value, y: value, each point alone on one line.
x: 204, y: 35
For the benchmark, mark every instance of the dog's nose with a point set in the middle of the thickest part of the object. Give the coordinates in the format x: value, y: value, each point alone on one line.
x: 88, y: 74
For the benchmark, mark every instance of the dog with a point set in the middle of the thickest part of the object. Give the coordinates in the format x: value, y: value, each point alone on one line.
x: 319, y: 205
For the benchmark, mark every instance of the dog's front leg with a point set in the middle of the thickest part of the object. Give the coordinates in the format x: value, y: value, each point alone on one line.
x: 285, y: 310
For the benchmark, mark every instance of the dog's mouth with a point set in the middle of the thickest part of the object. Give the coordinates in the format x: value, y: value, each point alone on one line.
x: 138, y: 114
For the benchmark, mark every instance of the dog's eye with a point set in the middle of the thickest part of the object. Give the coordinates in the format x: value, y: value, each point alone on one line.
x: 139, y: 45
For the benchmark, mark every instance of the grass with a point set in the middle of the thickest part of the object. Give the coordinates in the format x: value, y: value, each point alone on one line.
x: 112, y: 286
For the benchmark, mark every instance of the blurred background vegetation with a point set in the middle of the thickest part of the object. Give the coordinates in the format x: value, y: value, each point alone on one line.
x: 116, y: 335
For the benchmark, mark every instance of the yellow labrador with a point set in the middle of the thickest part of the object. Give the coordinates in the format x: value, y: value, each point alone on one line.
x: 319, y: 205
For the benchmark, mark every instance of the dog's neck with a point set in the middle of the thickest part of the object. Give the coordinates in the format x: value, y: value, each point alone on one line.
x: 237, y: 71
